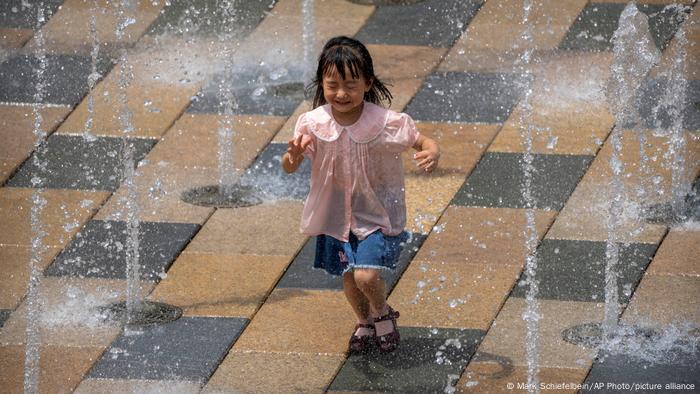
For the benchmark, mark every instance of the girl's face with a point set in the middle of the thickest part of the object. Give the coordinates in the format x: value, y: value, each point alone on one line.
x: 345, y: 95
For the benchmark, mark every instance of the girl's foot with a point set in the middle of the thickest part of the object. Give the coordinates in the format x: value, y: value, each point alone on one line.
x: 387, y: 332
x: 361, y: 338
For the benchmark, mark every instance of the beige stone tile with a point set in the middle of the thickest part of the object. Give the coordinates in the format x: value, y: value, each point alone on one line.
x: 427, y: 196
x: 250, y: 372
x: 70, y: 313
x: 134, y: 386
x: 300, y: 321
x: 404, y: 61
x: 286, y: 132
x: 660, y: 300
x: 17, y: 128
x: 7, y: 168
x: 402, y: 91
x: 266, y: 229
x: 14, y: 38
x: 461, y: 144
x: 159, y: 186
x: 68, y: 30
x: 220, y: 285
x: 506, y: 337
x: 678, y: 254
x: 490, y: 60
x: 14, y: 272
x: 63, y: 215
x: 60, y: 368
x: 493, y: 236
x: 454, y: 295
x: 494, y: 377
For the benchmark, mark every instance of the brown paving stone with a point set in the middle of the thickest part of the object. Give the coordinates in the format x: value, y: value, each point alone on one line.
x: 220, y: 285
x: 300, y: 321
x: 427, y: 196
x: 14, y: 272
x: 482, y: 236
x: 251, y: 372
x: 65, y: 212
x: 69, y: 315
x: 7, y: 167
x: 678, y: 254
x: 496, y: 29
x: 68, y: 30
x: 453, y: 295
x: 124, y: 386
x: 266, y: 229
x: 492, y: 377
x: 60, y: 368
x: 660, y: 300
x: 12, y: 38
x: 506, y: 337
x: 286, y: 132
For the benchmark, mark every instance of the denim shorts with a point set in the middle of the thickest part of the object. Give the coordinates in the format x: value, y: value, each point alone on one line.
x: 376, y: 251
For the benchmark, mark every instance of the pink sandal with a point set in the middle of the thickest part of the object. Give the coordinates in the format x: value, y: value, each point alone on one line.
x: 388, y: 342
x: 359, y: 344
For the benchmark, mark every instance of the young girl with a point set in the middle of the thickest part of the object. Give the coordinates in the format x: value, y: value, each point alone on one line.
x: 356, y: 206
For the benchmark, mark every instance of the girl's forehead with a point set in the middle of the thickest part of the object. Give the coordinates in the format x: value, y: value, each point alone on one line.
x: 331, y: 73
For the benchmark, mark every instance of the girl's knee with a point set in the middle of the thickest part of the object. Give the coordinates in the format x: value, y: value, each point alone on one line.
x: 366, y: 277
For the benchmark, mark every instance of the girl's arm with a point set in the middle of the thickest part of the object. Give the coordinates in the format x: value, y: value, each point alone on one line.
x: 428, y: 153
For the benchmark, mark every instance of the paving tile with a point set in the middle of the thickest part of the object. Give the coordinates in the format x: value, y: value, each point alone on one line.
x: 74, y: 162
x: 14, y: 38
x: 65, y: 77
x: 652, y: 93
x: 61, y: 218
x: 594, y: 27
x: 497, y: 181
x: 461, y: 145
x: 432, y: 23
x: 131, y: 386
x: 219, y: 285
x: 285, y: 317
x: 493, y: 236
x: 505, y: 339
x: 286, y: 132
x: 677, y: 254
x: 497, y: 29
x: 466, y: 97
x: 427, y: 360
x: 60, y: 368
x: 99, y: 250
x: 16, y: 13
x: 301, y: 273
x: 454, y: 295
x: 324, y: 8
x: 68, y: 31
x: 492, y: 374
x: 250, y: 372
x: 14, y: 272
x: 660, y: 301
x: 427, y: 196
x: 575, y: 270
x: 189, y: 348
x: 70, y: 314
x: 237, y: 231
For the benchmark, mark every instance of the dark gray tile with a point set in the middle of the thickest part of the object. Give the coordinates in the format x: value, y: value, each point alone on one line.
x: 99, y: 249
x: 466, y: 97
x: 652, y: 95
x: 301, y: 273
x: 210, y: 18
x: 570, y: 270
x: 270, y: 180
x: 436, y: 23
x: 594, y: 27
x: 73, y: 162
x: 678, y: 365
x: 4, y: 315
x: 426, y: 361
x: 189, y: 348
x: 65, y: 78
x: 254, y: 93
x: 498, y: 178
x: 24, y: 14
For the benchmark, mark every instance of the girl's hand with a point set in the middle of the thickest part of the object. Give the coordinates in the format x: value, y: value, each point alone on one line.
x: 297, y: 146
x: 427, y: 159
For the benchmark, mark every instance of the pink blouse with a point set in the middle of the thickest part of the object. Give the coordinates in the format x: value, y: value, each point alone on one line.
x: 357, y: 181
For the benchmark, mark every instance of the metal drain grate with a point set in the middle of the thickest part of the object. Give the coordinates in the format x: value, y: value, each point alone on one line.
x: 145, y: 313
x: 210, y: 196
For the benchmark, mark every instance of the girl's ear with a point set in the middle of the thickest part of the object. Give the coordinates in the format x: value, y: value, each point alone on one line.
x: 368, y: 85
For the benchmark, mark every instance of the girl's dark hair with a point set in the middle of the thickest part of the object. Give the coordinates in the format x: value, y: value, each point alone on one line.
x: 341, y: 52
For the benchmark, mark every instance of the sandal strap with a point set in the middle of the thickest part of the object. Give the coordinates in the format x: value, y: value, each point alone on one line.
x: 391, y: 315
x: 364, y: 325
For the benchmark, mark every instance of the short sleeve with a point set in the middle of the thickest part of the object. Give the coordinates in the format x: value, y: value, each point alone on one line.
x: 302, y: 128
x: 400, y: 132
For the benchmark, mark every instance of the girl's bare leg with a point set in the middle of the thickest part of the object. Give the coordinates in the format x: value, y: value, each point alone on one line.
x: 358, y: 301
x: 371, y: 284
